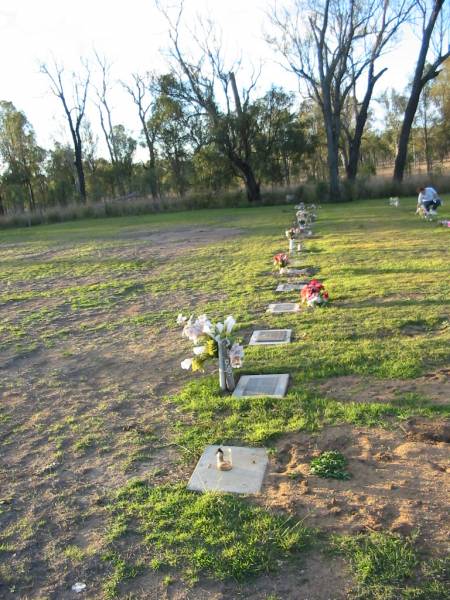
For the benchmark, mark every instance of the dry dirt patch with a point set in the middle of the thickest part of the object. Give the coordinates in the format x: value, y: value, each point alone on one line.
x: 434, y: 386
x: 312, y: 579
x: 84, y: 415
x: 400, y: 480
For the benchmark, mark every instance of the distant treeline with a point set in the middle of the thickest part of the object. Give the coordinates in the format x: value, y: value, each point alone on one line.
x: 205, y: 132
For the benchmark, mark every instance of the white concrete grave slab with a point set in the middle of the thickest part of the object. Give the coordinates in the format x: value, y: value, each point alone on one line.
x: 291, y: 287
x: 245, y: 477
x: 273, y: 386
x: 267, y: 337
x: 283, y: 307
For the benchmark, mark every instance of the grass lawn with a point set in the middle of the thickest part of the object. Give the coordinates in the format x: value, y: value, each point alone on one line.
x: 100, y: 428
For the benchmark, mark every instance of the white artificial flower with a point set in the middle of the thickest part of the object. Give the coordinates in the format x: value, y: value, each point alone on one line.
x: 186, y: 364
x: 203, y: 319
x: 229, y: 323
x: 219, y: 327
x: 198, y: 350
x: 208, y: 329
x: 193, y: 331
x: 206, y: 325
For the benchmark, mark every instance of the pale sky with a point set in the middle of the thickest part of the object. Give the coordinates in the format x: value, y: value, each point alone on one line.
x: 131, y: 34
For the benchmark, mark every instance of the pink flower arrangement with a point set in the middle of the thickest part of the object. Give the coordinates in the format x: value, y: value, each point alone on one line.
x: 281, y: 260
x: 314, y: 294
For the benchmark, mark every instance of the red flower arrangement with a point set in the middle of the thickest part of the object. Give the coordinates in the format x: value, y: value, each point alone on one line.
x: 281, y: 260
x: 314, y: 294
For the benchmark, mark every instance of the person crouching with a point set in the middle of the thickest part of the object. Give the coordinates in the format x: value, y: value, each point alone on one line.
x: 428, y: 200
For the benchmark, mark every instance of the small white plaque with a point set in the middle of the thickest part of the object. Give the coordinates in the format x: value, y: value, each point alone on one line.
x: 266, y: 337
x: 283, y: 307
x: 273, y: 386
x: 246, y: 476
x: 291, y: 287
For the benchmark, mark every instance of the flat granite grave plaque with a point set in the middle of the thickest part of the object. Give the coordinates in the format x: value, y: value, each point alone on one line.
x: 283, y: 307
x: 274, y: 386
x: 291, y: 287
x: 263, y: 337
x: 246, y: 476
x: 295, y: 272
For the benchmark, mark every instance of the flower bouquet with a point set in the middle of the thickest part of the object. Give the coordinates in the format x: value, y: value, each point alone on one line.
x: 314, y: 294
x: 281, y: 261
x: 292, y: 233
x: 212, y: 341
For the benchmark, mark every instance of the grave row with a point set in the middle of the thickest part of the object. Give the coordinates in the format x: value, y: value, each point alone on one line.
x: 243, y: 469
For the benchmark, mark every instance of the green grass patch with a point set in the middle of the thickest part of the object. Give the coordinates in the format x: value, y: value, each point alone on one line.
x: 211, y: 418
x: 220, y: 536
x: 386, y: 566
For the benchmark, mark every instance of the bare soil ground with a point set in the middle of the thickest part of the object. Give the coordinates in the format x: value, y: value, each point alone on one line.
x: 435, y: 386
x: 87, y: 414
x: 400, y: 480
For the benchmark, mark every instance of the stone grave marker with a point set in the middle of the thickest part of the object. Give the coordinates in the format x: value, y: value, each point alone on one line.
x: 291, y: 287
x: 274, y: 386
x: 246, y: 476
x: 266, y: 337
x: 283, y: 307
x: 291, y: 272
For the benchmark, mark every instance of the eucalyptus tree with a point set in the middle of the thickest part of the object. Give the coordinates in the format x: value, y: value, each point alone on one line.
x: 209, y: 85
x: 22, y: 158
x: 74, y: 105
x: 329, y: 45
x: 142, y: 91
x: 177, y: 130
x: 384, y: 25
x: 393, y: 104
x: 61, y: 175
x: 118, y: 142
x: 282, y: 140
x: 434, y: 21
x: 440, y: 100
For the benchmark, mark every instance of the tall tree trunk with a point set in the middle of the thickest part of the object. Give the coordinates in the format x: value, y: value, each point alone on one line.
x: 81, y: 183
x: 31, y: 195
x: 243, y: 164
x: 419, y: 81
x: 402, y: 149
x: 332, y: 159
x: 252, y: 186
x: 361, y: 119
x: 333, y: 173
x: 331, y: 121
x: 2, y: 206
x: 154, y: 187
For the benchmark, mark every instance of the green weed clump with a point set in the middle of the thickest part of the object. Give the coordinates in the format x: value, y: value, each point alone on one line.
x: 220, y: 536
x: 330, y: 465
